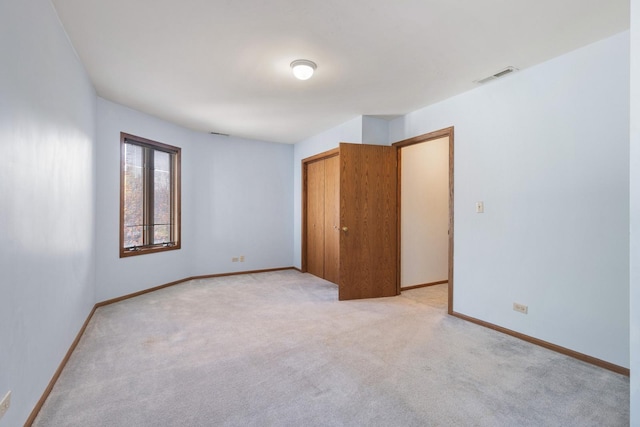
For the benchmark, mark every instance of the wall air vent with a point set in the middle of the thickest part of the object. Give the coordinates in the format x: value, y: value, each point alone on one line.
x: 497, y: 75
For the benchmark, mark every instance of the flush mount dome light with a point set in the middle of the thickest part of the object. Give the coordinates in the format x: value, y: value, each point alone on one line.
x: 303, y: 69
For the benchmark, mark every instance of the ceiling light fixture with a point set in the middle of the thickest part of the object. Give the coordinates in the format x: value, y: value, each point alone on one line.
x: 303, y: 69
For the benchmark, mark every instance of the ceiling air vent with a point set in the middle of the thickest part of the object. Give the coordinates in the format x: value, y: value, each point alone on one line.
x: 497, y: 75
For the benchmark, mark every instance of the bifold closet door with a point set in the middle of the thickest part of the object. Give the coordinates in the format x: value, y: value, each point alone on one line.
x: 315, y: 218
x: 332, y: 219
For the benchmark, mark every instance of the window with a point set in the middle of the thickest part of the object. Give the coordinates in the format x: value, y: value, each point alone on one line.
x: 149, y: 196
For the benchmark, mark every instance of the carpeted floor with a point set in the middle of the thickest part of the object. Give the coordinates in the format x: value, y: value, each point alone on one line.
x: 278, y: 349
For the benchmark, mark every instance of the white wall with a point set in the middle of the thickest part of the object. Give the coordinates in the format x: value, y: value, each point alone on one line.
x: 425, y: 213
x: 236, y: 200
x: 47, y: 117
x: 634, y: 257
x: 350, y: 131
x: 546, y: 149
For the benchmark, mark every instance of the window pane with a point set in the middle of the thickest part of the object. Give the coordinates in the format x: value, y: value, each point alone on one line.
x: 162, y: 233
x: 162, y: 197
x: 133, y: 196
x: 133, y: 236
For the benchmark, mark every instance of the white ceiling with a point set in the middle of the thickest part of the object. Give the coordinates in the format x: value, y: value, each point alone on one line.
x: 223, y: 65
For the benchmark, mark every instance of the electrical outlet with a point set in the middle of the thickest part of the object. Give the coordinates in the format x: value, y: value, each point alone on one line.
x: 5, y: 403
x: 520, y: 308
x: 234, y: 259
x: 241, y: 258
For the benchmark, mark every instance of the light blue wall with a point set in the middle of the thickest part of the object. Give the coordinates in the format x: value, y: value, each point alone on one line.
x: 242, y: 194
x: 47, y: 200
x: 375, y: 131
x: 114, y: 276
x: 236, y: 200
x: 634, y: 257
x: 547, y: 150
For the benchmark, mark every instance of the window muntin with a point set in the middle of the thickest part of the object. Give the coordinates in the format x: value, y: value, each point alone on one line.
x: 149, y: 196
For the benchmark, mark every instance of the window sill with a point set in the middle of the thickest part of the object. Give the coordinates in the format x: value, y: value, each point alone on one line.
x: 144, y: 250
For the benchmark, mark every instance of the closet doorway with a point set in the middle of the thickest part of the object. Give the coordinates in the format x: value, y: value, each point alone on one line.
x: 425, y: 211
x: 322, y: 220
x: 363, y: 178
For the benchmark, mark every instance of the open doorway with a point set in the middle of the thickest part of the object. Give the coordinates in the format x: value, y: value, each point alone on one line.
x: 425, y: 211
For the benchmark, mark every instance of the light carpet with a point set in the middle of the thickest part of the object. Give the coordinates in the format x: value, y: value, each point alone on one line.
x: 279, y: 349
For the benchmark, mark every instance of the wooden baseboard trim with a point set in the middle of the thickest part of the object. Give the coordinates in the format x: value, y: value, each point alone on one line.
x: 74, y: 344
x: 424, y: 285
x: 559, y: 349
x: 56, y: 375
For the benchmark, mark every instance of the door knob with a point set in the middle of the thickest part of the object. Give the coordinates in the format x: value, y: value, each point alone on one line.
x: 345, y: 229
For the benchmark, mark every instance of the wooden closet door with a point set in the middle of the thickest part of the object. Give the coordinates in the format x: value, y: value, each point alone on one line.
x: 315, y: 218
x: 332, y: 219
x: 368, y: 212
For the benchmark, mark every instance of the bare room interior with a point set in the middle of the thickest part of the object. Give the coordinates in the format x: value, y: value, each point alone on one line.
x: 437, y: 224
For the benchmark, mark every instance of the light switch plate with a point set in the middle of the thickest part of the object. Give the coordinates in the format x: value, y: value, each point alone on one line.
x: 479, y: 207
